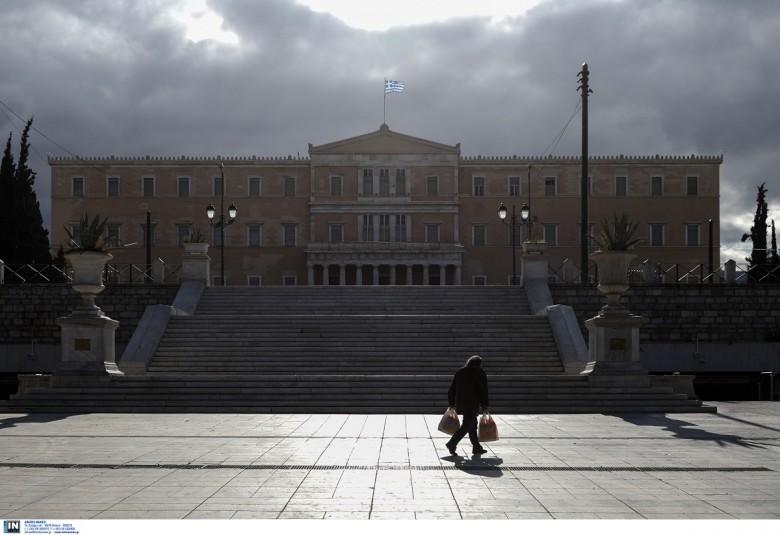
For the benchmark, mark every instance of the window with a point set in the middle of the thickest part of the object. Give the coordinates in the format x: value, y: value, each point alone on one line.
x: 384, y: 228
x: 400, y: 228
x: 656, y: 186
x: 336, y: 184
x: 254, y: 280
x: 384, y: 181
x: 216, y: 236
x: 590, y: 186
x: 289, y: 186
x: 549, y: 186
x: 479, y: 186
x: 432, y: 185
x: 336, y: 232
x: 432, y: 233
x: 112, y: 186
x: 289, y: 280
x: 692, y: 234
x: 514, y: 186
x: 254, y: 186
x: 217, y: 185
x: 551, y: 235
x: 290, y: 235
x: 254, y: 236
x: 656, y: 234
x: 692, y: 186
x: 400, y: 181
x: 184, y: 186
x: 78, y: 186
x: 518, y: 230
x: 479, y: 280
x: 182, y: 233
x: 368, y: 181
x: 479, y: 235
x: 148, y: 186
x: 621, y: 186
x: 151, y: 238
x: 367, y: 228
x: 113, y: 235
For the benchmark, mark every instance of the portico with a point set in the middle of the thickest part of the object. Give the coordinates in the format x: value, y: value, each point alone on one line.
x: 372, y: 264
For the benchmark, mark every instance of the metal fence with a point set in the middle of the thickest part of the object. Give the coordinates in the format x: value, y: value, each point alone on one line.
x: 649, y: 272
x: 114, y: 274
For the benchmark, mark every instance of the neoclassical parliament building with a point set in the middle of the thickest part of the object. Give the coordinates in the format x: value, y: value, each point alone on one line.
x: 385, y: 208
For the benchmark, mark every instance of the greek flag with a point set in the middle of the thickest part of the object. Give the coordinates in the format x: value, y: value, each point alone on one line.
x: 393, y: 86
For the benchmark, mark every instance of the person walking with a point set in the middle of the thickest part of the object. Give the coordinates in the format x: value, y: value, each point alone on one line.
x: 467, y: 392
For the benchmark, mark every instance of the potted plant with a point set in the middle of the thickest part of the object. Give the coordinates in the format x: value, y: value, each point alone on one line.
x: 196, y: 243
x: 614, y: 255
x: 87, y: 257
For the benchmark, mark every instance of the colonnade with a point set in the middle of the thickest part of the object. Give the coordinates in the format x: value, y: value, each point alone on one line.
x: 342, y: 273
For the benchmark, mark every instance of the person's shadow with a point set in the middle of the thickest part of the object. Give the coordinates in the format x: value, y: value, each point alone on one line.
x: 478, y: 465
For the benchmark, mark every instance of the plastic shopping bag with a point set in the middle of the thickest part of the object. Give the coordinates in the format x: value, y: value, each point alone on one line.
x: 449, y: 422
x: 487, y: 430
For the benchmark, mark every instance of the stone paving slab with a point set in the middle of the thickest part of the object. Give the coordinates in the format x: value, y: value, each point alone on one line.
x: 359, y: 467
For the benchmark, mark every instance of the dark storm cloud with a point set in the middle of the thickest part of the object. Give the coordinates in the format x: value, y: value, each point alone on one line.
x: 669, y: 77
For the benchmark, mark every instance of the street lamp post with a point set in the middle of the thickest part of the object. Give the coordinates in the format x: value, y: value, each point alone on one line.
x: 524, y: 214
x: 222, y: 221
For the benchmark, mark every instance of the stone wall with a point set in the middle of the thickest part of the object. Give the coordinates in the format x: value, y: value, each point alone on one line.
x: 29, y: 312
x: 718, y: 313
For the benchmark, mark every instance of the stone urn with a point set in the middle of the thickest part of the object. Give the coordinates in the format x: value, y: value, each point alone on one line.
x: 613, y: 278
x: 88, y: 268
x: 534, y: 247
x: 196, y: 248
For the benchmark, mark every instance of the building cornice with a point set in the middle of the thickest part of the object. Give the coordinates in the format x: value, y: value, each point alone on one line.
x: 567, y: 160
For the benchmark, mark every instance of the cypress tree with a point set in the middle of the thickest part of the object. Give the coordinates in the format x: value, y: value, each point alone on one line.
x: 24, y: 239
x: 757, y: 261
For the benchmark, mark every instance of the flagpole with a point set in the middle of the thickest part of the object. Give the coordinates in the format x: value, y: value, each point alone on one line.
x: 384, y: 103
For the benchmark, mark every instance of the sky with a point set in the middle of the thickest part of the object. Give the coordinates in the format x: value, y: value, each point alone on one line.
x: 500, y: 77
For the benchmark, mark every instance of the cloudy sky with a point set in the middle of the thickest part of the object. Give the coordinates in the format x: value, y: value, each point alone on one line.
x: 267, y: 77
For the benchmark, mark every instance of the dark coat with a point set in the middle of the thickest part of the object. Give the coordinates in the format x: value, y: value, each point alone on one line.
x: 469, y: 390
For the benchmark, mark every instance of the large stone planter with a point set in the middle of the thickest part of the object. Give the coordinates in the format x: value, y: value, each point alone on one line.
x: 87, y: 336
x: 613, y: 335
x: 613, y: 278
x: 534, y: 247
x: 196, y: 248
x: 88, y: 268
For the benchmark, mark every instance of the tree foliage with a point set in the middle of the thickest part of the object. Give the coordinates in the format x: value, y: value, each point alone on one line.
x: 763, y: 262
x: 23, y: 238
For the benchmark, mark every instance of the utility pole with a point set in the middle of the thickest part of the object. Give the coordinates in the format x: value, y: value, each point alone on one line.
x: 148, y: 247
x: 584, y: 237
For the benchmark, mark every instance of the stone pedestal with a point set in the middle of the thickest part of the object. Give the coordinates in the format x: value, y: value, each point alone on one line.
x: 613, y: 350
x: 87, y: 346
x: 196, y: 267
x: 534, y: 264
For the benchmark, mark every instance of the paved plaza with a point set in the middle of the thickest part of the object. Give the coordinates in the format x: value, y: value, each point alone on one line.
x: 303, y: 466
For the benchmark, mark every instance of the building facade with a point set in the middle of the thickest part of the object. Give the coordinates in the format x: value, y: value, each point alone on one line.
x: 385, y: 208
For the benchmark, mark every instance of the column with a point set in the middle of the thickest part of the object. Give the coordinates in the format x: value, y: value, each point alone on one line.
x: 392, y: 274
x: 457, y: 280
x: 325, y: 274
x: 409, y: 274
x: 375, y: 280
x: 311, y: 275
x: 342, y: 274
x: 426, y: 281
x: 359, y: 274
